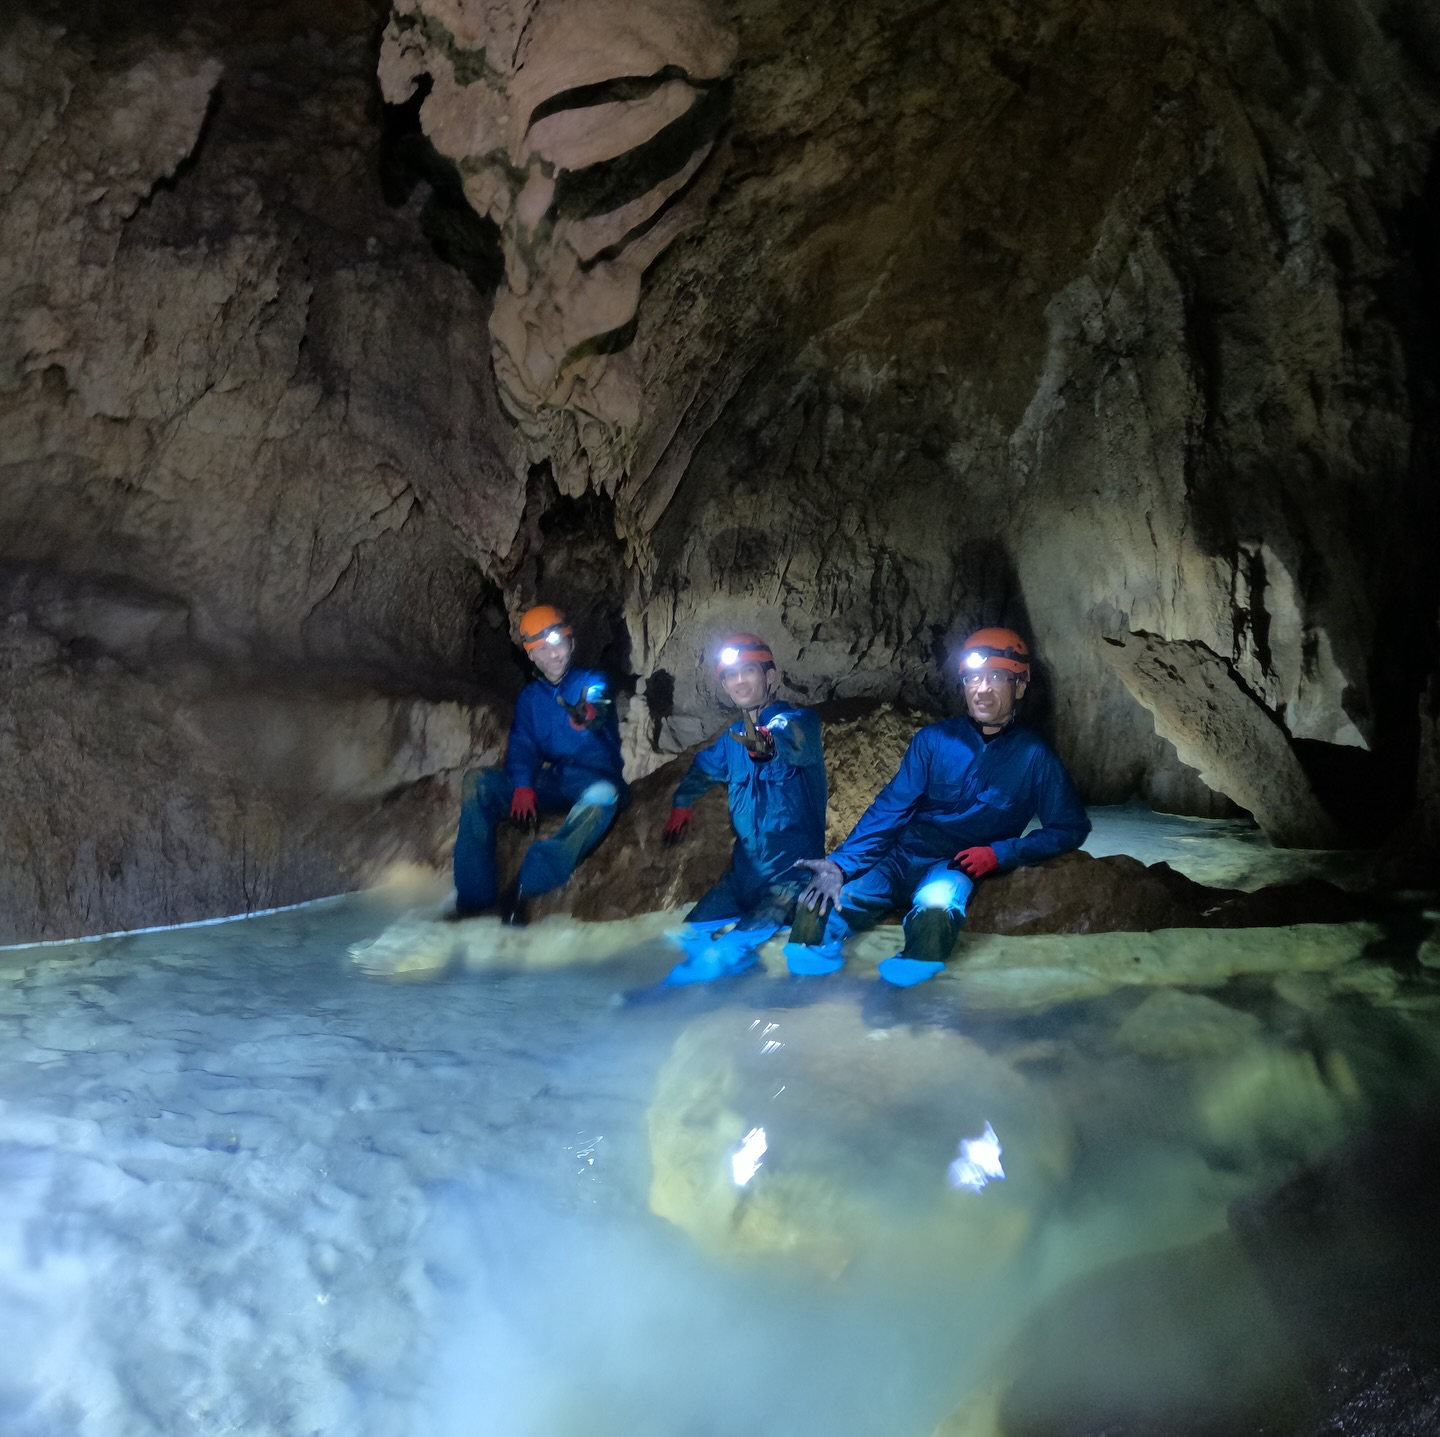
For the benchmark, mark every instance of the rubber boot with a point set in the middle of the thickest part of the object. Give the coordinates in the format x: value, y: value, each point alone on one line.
x: 814, y: 960
x: 930, y: 935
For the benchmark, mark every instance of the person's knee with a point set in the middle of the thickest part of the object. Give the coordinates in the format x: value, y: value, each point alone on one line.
x: 947, y: 891
x: 600, y: 794
x: 489, y: 787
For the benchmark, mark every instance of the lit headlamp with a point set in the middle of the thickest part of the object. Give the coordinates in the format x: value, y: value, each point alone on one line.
x: 985, y: 657
x: 553, y: 636
x: 743, y: 649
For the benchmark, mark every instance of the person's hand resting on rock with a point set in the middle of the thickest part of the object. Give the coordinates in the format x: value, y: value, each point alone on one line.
x: 826, y: 881
x: 976, y: 862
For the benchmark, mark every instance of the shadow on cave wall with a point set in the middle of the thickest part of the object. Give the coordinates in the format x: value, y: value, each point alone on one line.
x: 417, y: 179
x: 569, y: 554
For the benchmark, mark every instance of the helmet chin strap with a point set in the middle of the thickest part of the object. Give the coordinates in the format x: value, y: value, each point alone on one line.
x: 556, y: 682
x: 995, y: 727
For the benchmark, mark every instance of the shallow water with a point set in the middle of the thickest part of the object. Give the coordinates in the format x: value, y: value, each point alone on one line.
x: 255, y: 1185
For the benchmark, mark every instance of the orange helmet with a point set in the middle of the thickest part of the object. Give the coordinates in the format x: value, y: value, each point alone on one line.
x: 995, y: 649
x: 544, y: 624
x: 743, y: 649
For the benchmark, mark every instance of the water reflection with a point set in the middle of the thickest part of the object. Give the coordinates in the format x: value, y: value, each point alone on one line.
x: 251, y: 1188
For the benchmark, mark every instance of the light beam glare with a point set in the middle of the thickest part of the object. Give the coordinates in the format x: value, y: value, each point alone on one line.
x: 746, y: 1159
x: 978, y: 1162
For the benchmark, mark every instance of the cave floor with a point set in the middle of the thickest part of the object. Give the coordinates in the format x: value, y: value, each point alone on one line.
x: 257, y: 1183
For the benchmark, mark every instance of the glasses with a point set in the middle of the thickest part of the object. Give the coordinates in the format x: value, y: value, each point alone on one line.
x: 974, y: 678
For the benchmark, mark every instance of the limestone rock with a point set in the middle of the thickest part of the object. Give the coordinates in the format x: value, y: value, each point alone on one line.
x: 860, y: 1129
x: 995, y: 974
x: 588, y: 133
x: 132, y: 800
x: 1412, y: 855
x: 1272, y: 1101
x: 1118, y: 1350
x: 1077, y: 893
x: 231, y: 546
x: 1172, y: 1024
x: 1235, y: 744
x: 1429, y: 954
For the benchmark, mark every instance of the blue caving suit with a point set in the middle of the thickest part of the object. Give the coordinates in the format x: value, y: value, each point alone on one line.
x: 570, y: 768
x: 955, y: 789
x: 777, y: 806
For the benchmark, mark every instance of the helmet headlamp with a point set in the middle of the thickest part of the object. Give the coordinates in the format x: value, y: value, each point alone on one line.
x: 543, y: 624
x: 743, y: 649
x: 994, y: 650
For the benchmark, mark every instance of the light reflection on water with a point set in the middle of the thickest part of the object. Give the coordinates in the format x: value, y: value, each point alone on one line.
x: 252, y: 1189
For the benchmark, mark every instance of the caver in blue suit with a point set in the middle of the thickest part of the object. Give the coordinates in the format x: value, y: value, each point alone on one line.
x: 570, y: 765
x: 777, y: 806
x: 957, y: 788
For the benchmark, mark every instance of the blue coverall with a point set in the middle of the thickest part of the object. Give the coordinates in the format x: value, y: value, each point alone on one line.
x: 954, y: 790
x: 572, y: 768
x: 778, y: 808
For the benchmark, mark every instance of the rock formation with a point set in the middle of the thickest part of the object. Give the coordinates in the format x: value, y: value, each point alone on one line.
x: 1234, y: 743
x: 1111, y: 320
x: 632, y: 871
x: 856, y: 1150
x: 1084, y: 290
x: 586, y: 131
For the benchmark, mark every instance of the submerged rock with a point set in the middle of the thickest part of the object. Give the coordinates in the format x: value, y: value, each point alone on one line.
x: 1275, y: 1101
x: 997, y: 974
x: 860, y: 1127
x: 1348, y: 1255
x: 1171, y: 1024
x: 1181, y: 1343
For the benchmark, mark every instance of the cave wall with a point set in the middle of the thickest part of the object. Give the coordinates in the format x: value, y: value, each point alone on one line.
x: 333, y: 334
x: 251, y: 464
x: 1108, y: 328
x: 1106, y: 319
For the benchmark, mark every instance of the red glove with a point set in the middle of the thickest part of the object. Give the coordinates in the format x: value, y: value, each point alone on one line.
x: 676, y: 825
x: 524, y: 806
x: 976, y: 862
x: 582, y: 715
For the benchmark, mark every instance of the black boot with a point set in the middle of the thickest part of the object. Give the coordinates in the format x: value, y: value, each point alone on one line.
x: 514, y: 909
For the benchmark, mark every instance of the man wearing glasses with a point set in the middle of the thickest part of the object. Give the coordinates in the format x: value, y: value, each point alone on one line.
x: 956, y: 811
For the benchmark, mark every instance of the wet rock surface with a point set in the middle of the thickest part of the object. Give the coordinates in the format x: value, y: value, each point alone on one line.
x: 1217, y: 1364
x: 143, y: 799
x: 1076, y: 893
x: 857, y: 1140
